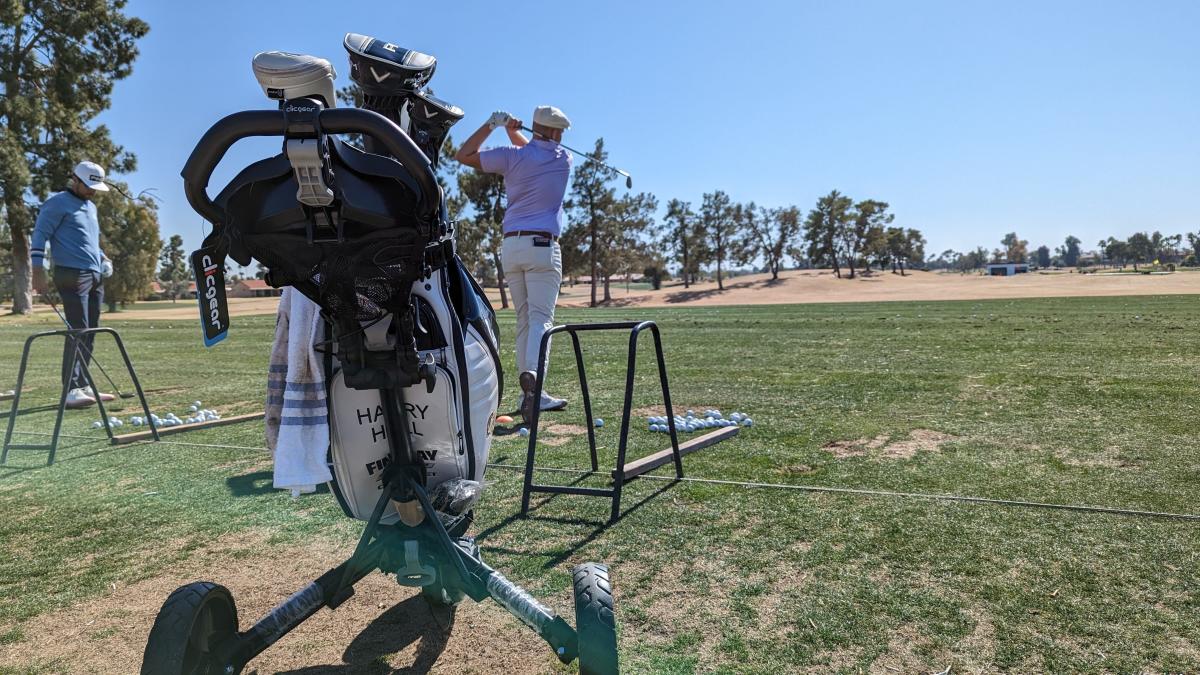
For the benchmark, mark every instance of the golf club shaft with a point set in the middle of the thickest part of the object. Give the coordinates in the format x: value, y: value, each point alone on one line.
x: 88, y: 351
x: 620, y: 171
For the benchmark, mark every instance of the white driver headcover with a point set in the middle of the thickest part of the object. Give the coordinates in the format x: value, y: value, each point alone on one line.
x: 284, y: 75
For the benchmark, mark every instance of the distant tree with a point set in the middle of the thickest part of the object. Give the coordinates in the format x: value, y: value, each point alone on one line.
x: 1069, y: 251
x: 1140, y: 248
x: 1116, y: 251
x: 1194, y: 240
x: 864, y: 231
x: 1043, y: 256
x: 720, y: 225
x: 772, y: 235
x: 947, y: 259
x: 822, y: 227
x: 481, y: 237
x: 682, y: 235
x: 972, y: 260
x: 59, y: 65
x: 173, y: 268
x: 904, y: 246
x: 1015, y: 249
x: 130, y: 232
x: 632, y: 218
x: 592, y: 202
x: 1166, y: 247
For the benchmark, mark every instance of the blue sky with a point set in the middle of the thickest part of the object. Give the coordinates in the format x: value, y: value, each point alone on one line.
x: 971, y: 119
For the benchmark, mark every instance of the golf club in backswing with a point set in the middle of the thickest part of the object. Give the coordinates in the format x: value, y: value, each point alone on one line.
x: 628, y: 178
x: 80, y: 344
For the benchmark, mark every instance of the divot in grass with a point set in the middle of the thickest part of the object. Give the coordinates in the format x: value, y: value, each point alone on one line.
x: 918, y: 440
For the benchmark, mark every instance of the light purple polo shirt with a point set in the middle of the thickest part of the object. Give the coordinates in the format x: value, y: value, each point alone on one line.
x: 535, y: 179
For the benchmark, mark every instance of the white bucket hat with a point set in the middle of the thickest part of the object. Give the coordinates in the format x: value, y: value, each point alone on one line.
x: 549, y: 116
x: 91, y: 175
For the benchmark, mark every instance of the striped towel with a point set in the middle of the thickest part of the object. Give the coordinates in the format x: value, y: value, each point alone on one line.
x: 297, y: 415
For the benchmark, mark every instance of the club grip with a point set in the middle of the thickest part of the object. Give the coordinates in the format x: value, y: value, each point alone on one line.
x: 217, y: 140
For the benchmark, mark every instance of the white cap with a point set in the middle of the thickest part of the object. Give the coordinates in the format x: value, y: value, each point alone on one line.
x: 285, y: 75
x: 91, y: 175
x: 549, y: 116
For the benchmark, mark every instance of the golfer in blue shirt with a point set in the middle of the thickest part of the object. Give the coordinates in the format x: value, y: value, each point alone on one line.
x: 68, y: 223
x: 535, y: 180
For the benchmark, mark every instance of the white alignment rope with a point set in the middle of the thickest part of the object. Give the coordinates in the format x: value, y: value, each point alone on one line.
x: 773, y: 486
x: 887, y: 493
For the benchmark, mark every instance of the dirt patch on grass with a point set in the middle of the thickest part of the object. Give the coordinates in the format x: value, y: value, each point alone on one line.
x: 383, y: 628
x: 559, y: 434
x: 918, y: 440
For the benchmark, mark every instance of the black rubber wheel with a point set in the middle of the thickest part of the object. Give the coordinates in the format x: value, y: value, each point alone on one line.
x: 196, y: 624
x: 595, y: 620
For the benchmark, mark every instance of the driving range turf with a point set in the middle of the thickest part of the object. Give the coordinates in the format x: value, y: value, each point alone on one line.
x: 1068, y: 401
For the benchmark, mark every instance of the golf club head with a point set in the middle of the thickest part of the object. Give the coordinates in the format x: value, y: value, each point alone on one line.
x: 385, y: 69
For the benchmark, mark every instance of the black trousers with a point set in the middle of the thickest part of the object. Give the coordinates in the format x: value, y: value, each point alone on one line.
x: 82, y: 293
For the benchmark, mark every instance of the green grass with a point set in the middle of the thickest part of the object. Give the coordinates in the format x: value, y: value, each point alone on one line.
x: 1071, y: 401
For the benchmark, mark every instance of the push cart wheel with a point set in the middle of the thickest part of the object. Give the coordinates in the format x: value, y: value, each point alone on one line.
x: 196, y: 624
x: 595, y: 621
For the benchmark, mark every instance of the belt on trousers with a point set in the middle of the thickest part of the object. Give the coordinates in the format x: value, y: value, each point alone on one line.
x: 530, y: 233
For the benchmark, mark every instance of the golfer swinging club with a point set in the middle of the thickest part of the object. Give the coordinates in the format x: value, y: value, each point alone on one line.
x: 535, y: 179
x: 68, y: 222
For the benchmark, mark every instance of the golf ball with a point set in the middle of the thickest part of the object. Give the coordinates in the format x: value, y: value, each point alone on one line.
x: 599, y: 422
x: 194, y: 408
x: 97, y: 424
x: 691, y: 413
x: 746, y: 422
x: 118, y: 423
x: 523, y: 432
x: 196, y: 403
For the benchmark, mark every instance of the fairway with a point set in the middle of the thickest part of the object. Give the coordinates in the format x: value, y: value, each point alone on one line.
x: 1084, y: 401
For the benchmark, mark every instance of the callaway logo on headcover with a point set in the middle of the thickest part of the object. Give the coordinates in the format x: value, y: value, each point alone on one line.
x: 209, y: 269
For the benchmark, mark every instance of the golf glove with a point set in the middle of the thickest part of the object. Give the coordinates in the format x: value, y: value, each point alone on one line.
x: 106, y: 268
x: 498, y: 119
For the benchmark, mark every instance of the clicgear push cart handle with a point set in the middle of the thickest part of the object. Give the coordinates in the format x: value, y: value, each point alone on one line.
x: 217, y: 141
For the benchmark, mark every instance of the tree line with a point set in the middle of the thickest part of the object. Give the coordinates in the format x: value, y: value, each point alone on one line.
x: 610, y: 236
x: 1139, y: 248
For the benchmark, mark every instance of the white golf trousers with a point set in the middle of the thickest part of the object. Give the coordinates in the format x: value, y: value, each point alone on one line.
x: 534, y: 274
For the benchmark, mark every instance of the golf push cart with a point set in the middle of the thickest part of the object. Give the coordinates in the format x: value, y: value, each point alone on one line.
x: 411, y: 368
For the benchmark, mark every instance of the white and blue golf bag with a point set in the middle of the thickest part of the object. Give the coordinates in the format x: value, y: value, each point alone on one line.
x: 450, y: 424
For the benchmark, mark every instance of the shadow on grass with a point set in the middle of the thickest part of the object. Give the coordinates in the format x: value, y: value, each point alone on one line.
x: 7, y: 412
x: 570, y: 549
x: 411, y: 621
x: 259, y: 483
x: 10, y: 470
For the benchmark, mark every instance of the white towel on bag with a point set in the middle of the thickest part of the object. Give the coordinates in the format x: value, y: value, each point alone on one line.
x: 296, y: 413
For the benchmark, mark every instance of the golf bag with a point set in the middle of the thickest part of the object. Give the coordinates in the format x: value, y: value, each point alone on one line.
x: 450, y: 419
x: 410, y: 351
x: 343, y: 227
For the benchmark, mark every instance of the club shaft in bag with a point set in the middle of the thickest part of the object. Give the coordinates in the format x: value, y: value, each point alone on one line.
x: 628, y: 178
x: 89, y: 354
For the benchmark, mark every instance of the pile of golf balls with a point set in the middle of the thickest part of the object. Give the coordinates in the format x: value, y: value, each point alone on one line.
x: 195, y: 414
x: 690, y: 422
